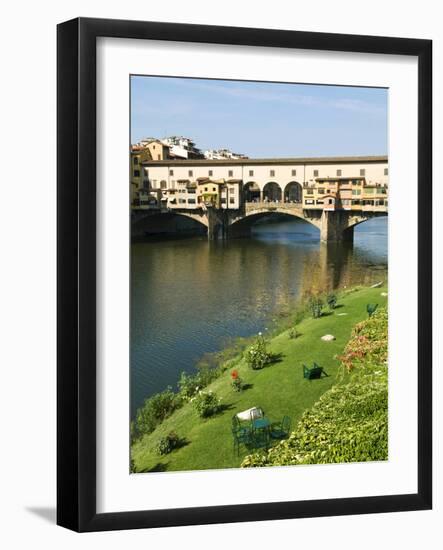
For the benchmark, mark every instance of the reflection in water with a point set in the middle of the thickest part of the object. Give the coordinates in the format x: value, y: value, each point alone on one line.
x: 190, y: 296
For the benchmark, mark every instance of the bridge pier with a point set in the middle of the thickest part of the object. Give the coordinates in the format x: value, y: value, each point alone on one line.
x: 217, y: 226
x: 334, y: 226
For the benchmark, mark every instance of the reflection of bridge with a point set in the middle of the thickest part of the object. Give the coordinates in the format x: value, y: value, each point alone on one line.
x: 335, y: 224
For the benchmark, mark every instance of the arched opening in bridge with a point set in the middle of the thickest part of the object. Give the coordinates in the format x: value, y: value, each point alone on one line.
x: 251, y: 192
x: 166, y: 225
x: 293, y: 192
x: 275, y: 226
x: 272, y: 192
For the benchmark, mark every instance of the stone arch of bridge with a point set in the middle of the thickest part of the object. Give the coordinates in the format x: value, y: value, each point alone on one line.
x: 155, y: 216
x: 359, y: 219
x: 252, y: 216
x: 199, y: 217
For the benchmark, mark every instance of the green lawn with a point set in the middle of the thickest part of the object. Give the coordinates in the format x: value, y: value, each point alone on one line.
x: 278, y: 388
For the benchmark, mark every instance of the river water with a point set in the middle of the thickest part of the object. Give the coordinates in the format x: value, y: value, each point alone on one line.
x: 190, y: 296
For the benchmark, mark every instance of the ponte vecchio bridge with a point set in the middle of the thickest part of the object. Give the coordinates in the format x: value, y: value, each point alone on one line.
x: 229, y: 196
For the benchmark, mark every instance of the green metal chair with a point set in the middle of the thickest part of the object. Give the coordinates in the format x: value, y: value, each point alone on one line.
x: 312, y: 373
x: 281, y: 430
x: 241, y: 434
x: 370, y: 308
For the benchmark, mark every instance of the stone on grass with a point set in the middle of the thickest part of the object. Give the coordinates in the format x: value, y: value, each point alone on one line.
x: 341, y: 314
x: 376, y: 285
x: 328, y: 338
x: 383, y: 294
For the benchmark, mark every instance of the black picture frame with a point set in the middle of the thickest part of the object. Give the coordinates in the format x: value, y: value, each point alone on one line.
x: 76, y: 265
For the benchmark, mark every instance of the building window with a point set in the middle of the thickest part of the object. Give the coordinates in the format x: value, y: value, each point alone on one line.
x: 230, y: 173
x: 145, y: 184
x: 190, y: 173
x: 191, y: 201
x: 309, y: 191
x: 272, y: 173
x: 309, y: 201
x: 182, y: 201
x: 315, y: 173
x: 136, y: 173
x: 232, y: 190
x: 223, y: 201
x: 231, y: 200
x: 251, y: 172
x: 356, y: 191
x: 338, y: 173
x: 214, y: 189
x: 135, y: 160
x: 320, y: 191
x: 386, y: 171
x: 294, y: 172
x: 362, y: 172
x: 210, y: 173
x: 171, y: 172
x: 206, y: 188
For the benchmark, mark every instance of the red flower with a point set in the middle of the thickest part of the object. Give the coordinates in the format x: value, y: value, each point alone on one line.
x: 234, y: 374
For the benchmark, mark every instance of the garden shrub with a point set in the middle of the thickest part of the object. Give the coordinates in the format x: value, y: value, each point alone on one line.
x: 369, y: 341
x: 206, y: 403
x: 257, y: 356
x: 293, y: 333
x: 190, y: 384
x: 168, y: 443
x: 331, y: 300
x: 236, y: 381
x: 349, y: 423
x: 315, y: 305
x: 155, y: 410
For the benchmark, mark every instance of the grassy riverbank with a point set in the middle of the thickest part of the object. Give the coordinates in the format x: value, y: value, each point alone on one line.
x: 279, y: 389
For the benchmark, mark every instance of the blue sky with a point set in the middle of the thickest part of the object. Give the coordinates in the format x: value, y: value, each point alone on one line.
x: 261, y: 119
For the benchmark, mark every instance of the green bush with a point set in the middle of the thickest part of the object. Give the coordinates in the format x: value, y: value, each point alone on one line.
x: 349, y: 423
x: 315, y: 305
x: 236, y: 381
x: 206, y: 403
x: 331, y: 300
x: 168, y: 443
x: 190, y: 384
x: 155, y: 410
x: 293, y: 333
x: 368, y: 343
x: 257, y: 356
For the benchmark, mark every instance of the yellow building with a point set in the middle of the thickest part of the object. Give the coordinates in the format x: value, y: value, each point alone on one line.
x: 138, y: 181
x: 158, y: 150
x: 208, y: 192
